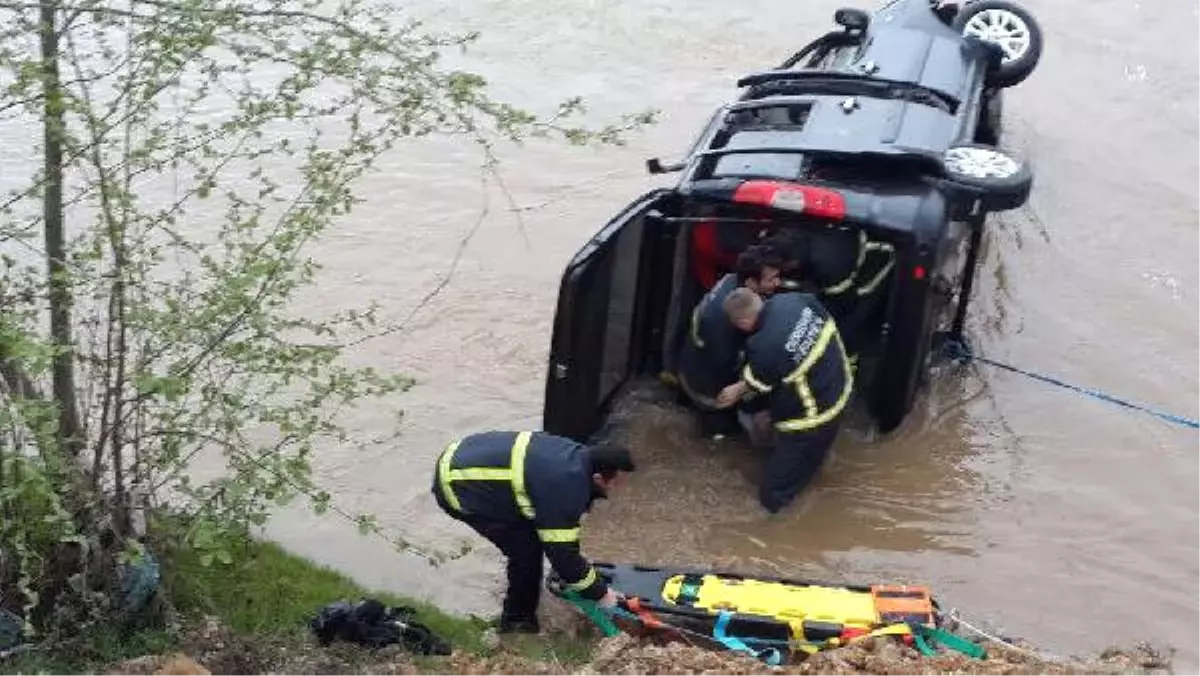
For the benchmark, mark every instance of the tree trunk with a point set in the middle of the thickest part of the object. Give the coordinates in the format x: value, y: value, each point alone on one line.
x: 53, y: 126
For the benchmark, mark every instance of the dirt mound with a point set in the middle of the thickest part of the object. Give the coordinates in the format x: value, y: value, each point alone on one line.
x: 626, y: 655
x: 219, y: 651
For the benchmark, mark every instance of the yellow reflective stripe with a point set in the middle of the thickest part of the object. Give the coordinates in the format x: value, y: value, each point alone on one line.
x: 520, y: 446
x: 849, y: 281
x: 806, y: 397
x: 883, y: 272
x: 696, y: 339
x: 558, y: 534
x: 818, y: 349
x: 587, y: 581
x: 809, y: 422
x: 444, y: 478
x: 748, y: 376
x: 481, y: 474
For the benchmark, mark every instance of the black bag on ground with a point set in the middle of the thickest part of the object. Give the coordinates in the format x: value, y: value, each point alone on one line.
x: 370, y: 623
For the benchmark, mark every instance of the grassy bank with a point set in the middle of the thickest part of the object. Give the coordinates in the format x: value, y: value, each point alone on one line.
x: 266, y: 597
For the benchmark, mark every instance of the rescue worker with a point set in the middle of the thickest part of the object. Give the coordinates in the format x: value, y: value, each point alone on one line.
x: 795, y: 355
x: 709, y: 357
x: 848, y: 271
x: 526, y: 492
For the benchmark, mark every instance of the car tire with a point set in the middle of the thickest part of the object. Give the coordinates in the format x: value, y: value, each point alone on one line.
x: 1009, y: 27
x: 1000, y: 181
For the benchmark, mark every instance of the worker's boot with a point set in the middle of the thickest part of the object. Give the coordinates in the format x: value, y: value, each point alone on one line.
x: 518, y: 626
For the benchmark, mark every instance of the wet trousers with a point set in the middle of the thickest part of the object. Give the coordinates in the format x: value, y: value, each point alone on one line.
x: 794, y: 461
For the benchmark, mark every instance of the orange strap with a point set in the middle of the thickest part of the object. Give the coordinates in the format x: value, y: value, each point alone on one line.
x: 647, y: 618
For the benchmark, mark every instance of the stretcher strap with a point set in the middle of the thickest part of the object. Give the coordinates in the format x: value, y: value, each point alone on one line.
x: 769, y: 655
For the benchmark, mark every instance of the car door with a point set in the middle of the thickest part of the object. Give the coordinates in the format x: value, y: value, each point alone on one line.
x: 599, y: 337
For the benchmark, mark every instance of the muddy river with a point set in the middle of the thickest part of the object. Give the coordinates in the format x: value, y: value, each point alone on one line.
x: 1046, y: 514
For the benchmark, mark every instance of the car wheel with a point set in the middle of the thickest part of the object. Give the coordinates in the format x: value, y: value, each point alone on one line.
x: 1009, y: 27
x: 1001, y: 181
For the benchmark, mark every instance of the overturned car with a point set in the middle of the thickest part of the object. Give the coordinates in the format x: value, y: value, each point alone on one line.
x: 877, y: 143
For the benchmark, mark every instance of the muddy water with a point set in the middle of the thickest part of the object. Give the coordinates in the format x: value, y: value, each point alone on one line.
x: 1043, y: 513
x: 1052, y: 516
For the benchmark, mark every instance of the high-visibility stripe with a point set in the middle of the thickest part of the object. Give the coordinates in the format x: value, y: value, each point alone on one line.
x: 587, y: 581
x: 444, y: 477
x: 849, y: 281
x: 875, y: 281
x: 558, y: 534
x: 818, y: 349
x: 519, y: 447
x: 811, y: 421
x: 481, y: 474
x: 748, y: 376
x: 696, y: 339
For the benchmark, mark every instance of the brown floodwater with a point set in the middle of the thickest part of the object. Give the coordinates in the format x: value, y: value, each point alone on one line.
x: 1048, y: 515
x: 1045, y: 514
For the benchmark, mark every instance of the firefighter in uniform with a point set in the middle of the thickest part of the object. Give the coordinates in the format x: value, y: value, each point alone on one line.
x: 794, y: 356
x: 526, y: 492
x: 709, y: 358
x: 848, y: 272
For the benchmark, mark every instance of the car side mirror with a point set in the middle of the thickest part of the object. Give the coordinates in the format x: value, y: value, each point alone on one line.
x: 853, y: 20
x: 655, y: 166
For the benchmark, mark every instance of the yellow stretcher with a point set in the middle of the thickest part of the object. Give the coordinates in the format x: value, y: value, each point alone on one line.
x: 769, y: 618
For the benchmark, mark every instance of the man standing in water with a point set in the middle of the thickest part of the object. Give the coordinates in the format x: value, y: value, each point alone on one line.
x: 708, y: 360
x: 526, y: 492
x: 795, y: 355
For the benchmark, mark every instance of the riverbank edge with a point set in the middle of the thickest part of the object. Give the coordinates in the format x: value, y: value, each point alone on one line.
x: 267, y: 596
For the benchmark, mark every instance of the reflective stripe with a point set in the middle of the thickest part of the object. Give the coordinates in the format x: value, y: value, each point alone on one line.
x: 696, y: 339
x: 806, y: 397
x: 587, y: 581
x: 809, y: 422
x: 849, y: 281
x: 887, y: 267
x: 444, y: 477
x: 520, y: 446
x: 481, y: 474
x: 558, y: 534
x: 827, y: 332
x: 748, y: 376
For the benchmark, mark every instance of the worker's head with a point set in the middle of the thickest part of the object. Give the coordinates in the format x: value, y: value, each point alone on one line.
x: 791, y: 247
x: 610, y: 463
x: 758, y: 269
x: 743, y: 306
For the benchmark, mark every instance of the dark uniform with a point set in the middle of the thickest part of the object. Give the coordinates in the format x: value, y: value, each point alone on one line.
x: 795, y: 355
x: 849, y: 271
x: 710, y: 356
x: 526, y: 493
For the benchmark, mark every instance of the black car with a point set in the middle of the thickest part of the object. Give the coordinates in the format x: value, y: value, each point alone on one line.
x: 879, y: 136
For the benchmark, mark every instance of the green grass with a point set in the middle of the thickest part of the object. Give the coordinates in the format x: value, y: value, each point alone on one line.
x: 270, y: 593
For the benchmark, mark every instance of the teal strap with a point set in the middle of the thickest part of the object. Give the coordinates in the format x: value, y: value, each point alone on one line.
x: 769, y: 655
x: 922, y: 635
x: 593, y: 611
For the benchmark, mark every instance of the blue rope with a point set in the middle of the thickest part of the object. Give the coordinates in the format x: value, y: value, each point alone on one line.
x: 957, y: 350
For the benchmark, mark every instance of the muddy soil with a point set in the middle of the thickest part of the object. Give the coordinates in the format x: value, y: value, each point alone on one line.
x: 213, y: 649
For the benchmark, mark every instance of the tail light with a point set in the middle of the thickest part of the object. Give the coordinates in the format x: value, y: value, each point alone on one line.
x: 805, y: 199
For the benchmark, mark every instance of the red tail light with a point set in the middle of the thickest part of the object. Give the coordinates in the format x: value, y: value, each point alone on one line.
x: 919, y: 272
x: 805, y: 199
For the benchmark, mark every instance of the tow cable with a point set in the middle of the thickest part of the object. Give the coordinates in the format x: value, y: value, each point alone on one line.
x: 958, y: 351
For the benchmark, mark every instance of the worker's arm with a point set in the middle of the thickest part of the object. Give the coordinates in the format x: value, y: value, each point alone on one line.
x: 559, y: 532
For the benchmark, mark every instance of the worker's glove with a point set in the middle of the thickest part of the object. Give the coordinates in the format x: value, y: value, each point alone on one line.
x: 610, y: 599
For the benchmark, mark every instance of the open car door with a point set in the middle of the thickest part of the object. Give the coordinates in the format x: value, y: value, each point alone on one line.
x: 601, y: 321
